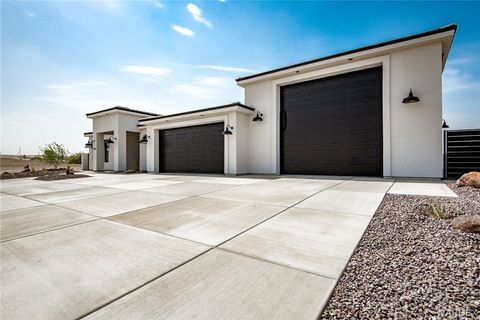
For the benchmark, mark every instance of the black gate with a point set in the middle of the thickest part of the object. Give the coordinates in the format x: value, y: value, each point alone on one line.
x: 462, y: 152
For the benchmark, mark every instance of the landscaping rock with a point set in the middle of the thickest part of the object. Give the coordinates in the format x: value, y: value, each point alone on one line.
x: 6, y: 175
x: 61, y: 177
x: 467, y: 223
x: 410, y: 266
x: 471, y: 179
x: 31, y: 173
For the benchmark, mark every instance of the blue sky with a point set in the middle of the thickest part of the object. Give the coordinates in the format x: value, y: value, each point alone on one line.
x: 60, y: 60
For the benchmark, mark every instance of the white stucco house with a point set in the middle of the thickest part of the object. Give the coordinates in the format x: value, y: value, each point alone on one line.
x: 373, y: 111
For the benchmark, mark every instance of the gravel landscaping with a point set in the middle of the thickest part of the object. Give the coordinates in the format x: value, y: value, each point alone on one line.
x: 62, y: 177
x: 30, y: 174
x: 412, y: 266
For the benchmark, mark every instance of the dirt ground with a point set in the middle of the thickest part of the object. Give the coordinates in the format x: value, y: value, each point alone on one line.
x: 15, y: 164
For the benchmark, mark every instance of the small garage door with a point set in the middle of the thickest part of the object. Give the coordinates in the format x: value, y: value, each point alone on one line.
x: 197, y: 149
x: 333, y: 125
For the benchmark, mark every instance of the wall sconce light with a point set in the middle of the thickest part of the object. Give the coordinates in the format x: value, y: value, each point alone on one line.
x: 228, y: 129
x: 444, y: 124
x: 411, y: 98
x: 258, y: 117
x: 108, y: 141
x: 144, y: 139
x: 89, y: 145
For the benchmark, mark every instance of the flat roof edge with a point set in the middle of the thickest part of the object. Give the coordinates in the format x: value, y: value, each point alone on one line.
x: 198, y: 110
x: 336, y: 55
x: 122, y: 109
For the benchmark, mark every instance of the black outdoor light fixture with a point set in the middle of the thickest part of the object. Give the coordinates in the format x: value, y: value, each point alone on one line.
x: 228, y: 129
x: 144, y: 139
x: 444, y: 124
x: 109, y: 140
x: 411, y: 98
x: 258, y: 117
x: 89, y: 145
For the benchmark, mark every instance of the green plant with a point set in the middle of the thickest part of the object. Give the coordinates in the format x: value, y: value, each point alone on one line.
x: 54, y: 154
x: 74, y: 158
x: 436, y: 211
x: 69, y: 170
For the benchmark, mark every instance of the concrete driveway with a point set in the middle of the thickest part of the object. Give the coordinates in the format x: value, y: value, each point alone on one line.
x: 182, y: 246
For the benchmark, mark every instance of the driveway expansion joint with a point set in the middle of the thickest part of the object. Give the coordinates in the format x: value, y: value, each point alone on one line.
x: 304, y: 185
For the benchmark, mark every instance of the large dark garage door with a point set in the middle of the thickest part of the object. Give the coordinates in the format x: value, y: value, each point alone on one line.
x: 192, y: 149
x: 333, y: 125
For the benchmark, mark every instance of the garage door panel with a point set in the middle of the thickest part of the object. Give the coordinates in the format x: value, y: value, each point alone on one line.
x: 327, y: 156
x: 334, y: 125
x: 197, y: 149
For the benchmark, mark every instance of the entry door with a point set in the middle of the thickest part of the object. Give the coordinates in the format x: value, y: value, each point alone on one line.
x: 333, y: 125
x: 196, y: 149
x: 133, y: 151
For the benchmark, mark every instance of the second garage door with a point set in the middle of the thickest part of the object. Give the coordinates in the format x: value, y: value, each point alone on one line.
x: 333, y: 125
x: 197, y: 149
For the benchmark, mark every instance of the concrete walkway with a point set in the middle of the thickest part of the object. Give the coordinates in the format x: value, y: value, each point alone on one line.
x: 182, y: 246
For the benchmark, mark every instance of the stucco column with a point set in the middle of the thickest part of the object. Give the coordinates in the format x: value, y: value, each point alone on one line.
x: 143, y: 155
x: 231, y: 145
x: 98, y: 152
x: 152, y: 151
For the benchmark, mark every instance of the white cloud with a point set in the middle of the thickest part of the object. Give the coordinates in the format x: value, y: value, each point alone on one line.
x: 148, y: 73
x: 221, y: 0
x: 460, y: 61
x: 75, y: 95
x: 111, y: 6
x: 456, y: 80
x: 77, y: 85
x: 228, y: 69
x: 206, y: 88
x: 158, y: 4
x: 30, y: 14
x: 182, y: 30
x: 197, y: 14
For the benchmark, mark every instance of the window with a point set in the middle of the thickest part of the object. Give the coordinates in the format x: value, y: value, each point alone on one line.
x: 105, y: 148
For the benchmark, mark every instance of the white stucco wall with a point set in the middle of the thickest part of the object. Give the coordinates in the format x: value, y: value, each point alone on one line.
x: 143, y: 152
x: 111, y: 156
x: 236, y: 146
x: 90, y: 158
x: 125, y: 122
x: 100, y: 125
x: 412, y: 133
x: 260, y: 148
x: 416, y: 129
x: 243, y: 142
x: 119, y: 123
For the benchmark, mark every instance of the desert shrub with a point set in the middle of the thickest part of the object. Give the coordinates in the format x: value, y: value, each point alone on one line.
x: 436, y: 211
x: 54, y: 154
x: 74, y: 158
